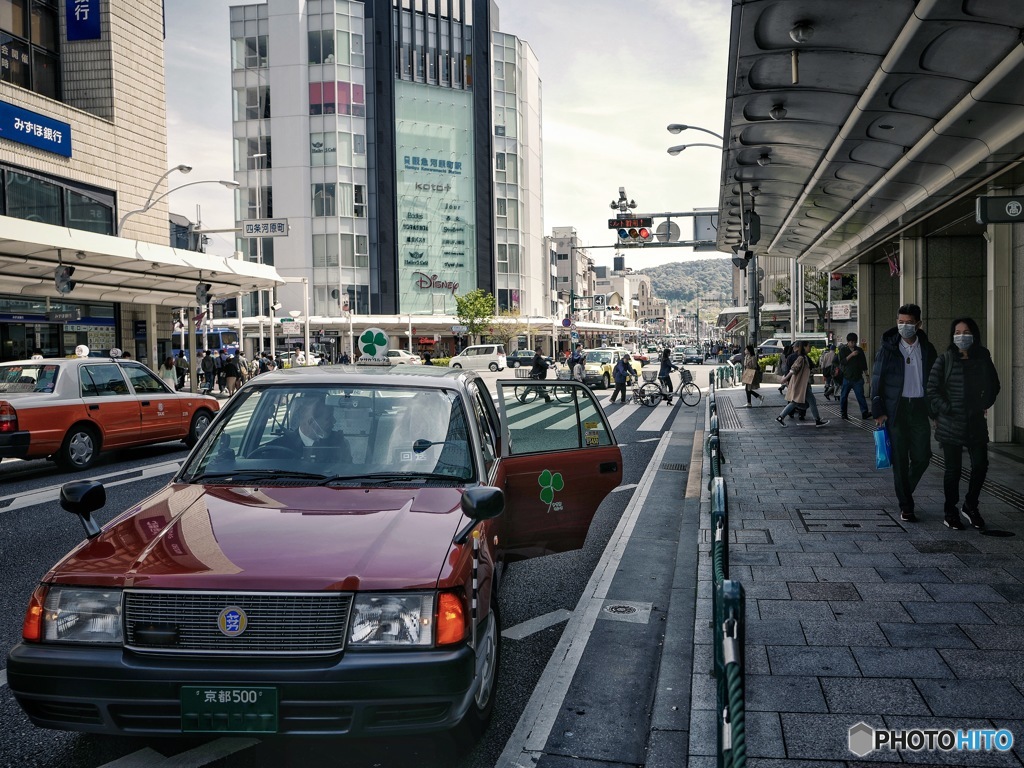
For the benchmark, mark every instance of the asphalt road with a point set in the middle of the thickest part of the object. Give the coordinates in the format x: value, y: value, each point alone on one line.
x: 35, y: 533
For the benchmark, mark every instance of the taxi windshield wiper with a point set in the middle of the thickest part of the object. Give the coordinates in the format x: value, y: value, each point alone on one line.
x: 395, y: 477
x: 249, y: 474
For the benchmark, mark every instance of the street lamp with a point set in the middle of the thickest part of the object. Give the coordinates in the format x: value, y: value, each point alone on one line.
x: 153, y: 201
x: 680, y: 147
x: 679, y: 128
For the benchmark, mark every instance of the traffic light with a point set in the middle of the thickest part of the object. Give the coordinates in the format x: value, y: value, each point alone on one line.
x: 62, y: 279
x: 203, y: 294
x: 635, y: 235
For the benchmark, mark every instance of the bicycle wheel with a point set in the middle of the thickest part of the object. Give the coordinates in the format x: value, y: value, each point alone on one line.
x: 563, y: 394
x: 527, y: 394
x: 690, y: 394
x: 648, y: 394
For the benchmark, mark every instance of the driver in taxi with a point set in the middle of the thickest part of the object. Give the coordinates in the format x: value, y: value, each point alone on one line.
x: 314, y: 428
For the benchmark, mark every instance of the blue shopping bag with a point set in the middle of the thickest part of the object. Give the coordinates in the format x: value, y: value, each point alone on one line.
x: 883, y: 449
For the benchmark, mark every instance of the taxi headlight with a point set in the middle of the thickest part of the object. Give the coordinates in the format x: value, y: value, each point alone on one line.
x: 82, y: 615
x: 392, y: 620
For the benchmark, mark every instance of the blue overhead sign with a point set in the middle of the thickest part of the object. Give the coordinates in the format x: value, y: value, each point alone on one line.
x: 83, y: 19
x: 39, y: 131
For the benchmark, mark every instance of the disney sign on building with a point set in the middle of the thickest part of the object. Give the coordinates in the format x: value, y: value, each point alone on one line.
x: 435, y: 189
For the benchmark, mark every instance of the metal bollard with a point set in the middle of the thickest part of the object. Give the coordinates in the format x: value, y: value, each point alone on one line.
x: 716, y: 466
x: 711, y: 378
x: 730, y: 667
x: 713, y: 402
x: 720, y: 519
x: 713, y: 425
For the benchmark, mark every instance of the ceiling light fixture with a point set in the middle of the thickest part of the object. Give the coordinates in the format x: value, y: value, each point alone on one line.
x: 80, y: 255
x: 801, y: 32
x: 777, y: 112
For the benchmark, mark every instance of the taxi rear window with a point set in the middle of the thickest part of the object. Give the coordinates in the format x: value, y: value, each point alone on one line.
x: 28, y: 378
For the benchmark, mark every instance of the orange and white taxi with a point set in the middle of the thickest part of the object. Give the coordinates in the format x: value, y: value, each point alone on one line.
x: 72, y: 409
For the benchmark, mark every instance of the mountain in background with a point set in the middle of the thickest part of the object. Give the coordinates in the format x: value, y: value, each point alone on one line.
x: 683, y: 281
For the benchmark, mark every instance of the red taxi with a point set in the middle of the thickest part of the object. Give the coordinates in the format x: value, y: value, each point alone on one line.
x: 326, y: 561
x: 72, y: 409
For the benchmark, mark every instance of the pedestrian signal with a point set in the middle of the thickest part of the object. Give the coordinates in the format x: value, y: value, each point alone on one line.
x: 62, y: 279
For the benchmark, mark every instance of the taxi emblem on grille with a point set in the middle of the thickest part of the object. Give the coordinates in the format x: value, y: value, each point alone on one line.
x: 232, y: 621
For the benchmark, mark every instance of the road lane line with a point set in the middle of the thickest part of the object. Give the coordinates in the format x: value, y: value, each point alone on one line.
x: 536, y: 624
x: 696, y: 466
x: 658, y: 419
x: 193, y: 758
x: 628, y: 487
x: 531, y: 732
x: 52, y: 493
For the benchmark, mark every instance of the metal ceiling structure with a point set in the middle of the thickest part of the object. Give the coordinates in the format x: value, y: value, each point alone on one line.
x: 853, y: 122
x: 117, y: 269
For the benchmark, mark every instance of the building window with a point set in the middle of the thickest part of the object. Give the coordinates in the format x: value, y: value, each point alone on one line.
x: 84, y: 212
x: 323, y: 148
x: 249, y: 52
x: 246, y: 151
x: 359, y: 143
x: 325, y: 199
x: 252, y: 103
x: 265, y: 208
x: 563, y: 257
x: 321, y: 47
x: 29, y: 45
x: 359, y: 198
x: 32, y: 198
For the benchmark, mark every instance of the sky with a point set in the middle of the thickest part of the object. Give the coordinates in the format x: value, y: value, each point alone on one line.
x: 614, y: 75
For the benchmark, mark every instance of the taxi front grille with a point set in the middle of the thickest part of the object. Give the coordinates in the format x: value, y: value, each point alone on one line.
x: 276, y: 623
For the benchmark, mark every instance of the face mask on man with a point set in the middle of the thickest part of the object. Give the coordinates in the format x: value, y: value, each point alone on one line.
x: 963, y: 340
x: 907, y: 330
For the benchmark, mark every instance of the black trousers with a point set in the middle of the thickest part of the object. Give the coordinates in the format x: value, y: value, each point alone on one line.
x: 619, y: 388
x: 911, y: 434
x: 954, y: 456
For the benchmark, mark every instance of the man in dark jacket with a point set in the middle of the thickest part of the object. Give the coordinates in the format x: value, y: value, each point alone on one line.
x: 622, y: 373
x: 539, y: 370
x: 904, y: 360
x: 853, y: 364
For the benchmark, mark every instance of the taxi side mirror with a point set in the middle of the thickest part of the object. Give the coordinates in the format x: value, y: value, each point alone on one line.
x: 482, y: 503
x: 82, y: 498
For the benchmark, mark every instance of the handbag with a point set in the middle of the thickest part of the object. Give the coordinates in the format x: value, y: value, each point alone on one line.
x: 883, y: 449
x: 748, y: 376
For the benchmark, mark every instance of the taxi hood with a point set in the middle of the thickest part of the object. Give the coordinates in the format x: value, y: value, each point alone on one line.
x: 235, y: 537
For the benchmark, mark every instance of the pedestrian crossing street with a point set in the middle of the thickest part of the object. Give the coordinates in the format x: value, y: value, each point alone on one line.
x: 632, y: 416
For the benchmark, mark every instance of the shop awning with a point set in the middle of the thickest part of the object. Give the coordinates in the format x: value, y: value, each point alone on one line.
x: 117, y: 269
x: 729, y: 314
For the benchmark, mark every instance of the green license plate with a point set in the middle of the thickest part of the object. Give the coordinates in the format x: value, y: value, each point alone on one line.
x: 219, y: 709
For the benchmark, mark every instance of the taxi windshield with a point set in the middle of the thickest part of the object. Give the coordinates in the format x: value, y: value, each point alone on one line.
x: 337, y: 434
x: 595, y: 356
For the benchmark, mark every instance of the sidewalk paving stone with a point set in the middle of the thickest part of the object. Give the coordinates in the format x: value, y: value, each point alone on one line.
x: 879, y: 610
x: 903, y: 635
x: 901, y: 662
x: 794, y: 609
x: 943, y: 613
x: 784, y: 693
x: 834, y: 590
x: 850, y: 633
x: 1004, y: 637
x: 821, y: 662
x: 915, y: 575
x: 972, y: 698
x: 884, y: 697
x: 890, y: 591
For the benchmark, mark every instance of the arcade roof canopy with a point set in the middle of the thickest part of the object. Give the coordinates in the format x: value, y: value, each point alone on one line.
x: 856, y: 121
x: 117, y: 269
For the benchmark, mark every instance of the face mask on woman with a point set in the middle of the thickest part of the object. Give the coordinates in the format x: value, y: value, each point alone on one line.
x: 963, y: 340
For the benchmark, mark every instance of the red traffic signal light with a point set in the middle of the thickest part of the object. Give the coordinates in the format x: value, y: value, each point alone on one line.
x: 635, y: 234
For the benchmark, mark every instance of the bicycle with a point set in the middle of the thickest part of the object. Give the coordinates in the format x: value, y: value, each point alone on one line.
x: 688, y: 392
x: 645, y: 393
x: 562, y: 394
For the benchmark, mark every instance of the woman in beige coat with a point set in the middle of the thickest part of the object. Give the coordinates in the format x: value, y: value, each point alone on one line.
x: 751, y: 374
x: 799, y: 388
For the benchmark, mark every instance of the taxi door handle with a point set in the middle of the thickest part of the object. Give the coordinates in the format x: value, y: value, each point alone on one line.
x: 608, y: 466
x: 145, y: 402
x: 94, y: 407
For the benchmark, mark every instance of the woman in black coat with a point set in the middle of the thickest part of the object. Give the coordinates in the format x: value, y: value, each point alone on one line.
x: 962, y: 386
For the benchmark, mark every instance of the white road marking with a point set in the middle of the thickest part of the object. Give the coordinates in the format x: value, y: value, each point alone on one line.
x: 649, y: 440
x: 656, y: 421
x: 531, y: 733
x: 52, y: 493
x: 193, y: 758
x: 629, y: 487
x: 536, y: 624
x: 621, y: 414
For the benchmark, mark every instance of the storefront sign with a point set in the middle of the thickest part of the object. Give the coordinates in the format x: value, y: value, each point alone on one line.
x: 1001, y: 209
x: 83, y: 19
x: 67, y: 315
x: 33, y: 129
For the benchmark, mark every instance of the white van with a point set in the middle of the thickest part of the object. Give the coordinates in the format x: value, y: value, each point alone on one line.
x: 479, y: 357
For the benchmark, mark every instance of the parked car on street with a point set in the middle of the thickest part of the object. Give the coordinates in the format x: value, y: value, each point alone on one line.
x: 326, y: 561
x: 71, y: 410
x: 479, y: 357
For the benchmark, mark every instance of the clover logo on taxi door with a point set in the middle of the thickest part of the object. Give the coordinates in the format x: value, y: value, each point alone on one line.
x: 549, y: 483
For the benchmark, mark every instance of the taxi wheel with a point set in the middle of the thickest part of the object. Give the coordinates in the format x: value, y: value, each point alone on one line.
x: 482, y: 707
x: 606, y: 381
x: 200, y: 423
x: 80, y: 449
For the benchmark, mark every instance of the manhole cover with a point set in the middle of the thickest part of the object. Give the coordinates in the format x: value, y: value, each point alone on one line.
x: 998, y: 534
x: 621, y: 610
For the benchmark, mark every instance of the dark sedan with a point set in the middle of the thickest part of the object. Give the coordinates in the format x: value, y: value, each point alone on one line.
x: 692, y: 355
x: 524, y: 357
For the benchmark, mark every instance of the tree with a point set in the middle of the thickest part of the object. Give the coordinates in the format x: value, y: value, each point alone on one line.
x: 475, y: 311
x: 816, y: 288
x: 512, y: 328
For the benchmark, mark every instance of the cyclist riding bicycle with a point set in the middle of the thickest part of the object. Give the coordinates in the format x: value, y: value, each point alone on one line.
x: 540, y: 370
